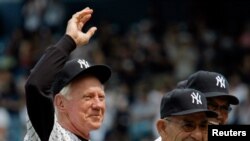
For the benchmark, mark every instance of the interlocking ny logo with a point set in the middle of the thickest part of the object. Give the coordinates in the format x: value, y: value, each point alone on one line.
x: 83, y: 63
x: 220, y: 82
x: 196, y: 97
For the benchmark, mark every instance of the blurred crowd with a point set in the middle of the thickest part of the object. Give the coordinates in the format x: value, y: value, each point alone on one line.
x: 147, y: 60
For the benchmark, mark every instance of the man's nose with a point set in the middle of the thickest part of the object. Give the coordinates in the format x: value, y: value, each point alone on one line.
x: 198, y: 134
x: 97, y: 102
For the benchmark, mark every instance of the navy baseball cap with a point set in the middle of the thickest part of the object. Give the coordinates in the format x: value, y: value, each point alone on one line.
x: 212, y: 84
x: 78, y: 67
x: 181, y: 84
x: 183, y: 102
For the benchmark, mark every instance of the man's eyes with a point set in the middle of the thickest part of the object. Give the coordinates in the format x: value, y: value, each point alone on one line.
x: 87, y: 97
x: 217, y: 107
x: 92, y: 96
x: 190, y: 126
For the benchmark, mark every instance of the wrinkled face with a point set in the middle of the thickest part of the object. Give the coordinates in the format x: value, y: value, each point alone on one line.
x: 191, y: 127
x: 85, y: 104
x: 221, y: 106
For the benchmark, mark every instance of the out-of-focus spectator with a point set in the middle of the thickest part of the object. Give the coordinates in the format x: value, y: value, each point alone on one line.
x: 142, y: 114
x: 33, y: 13
x: 117, y: 121
x: 12, y: 101
x: 182, y: 50
x: 4, y: 124
x: 54, y: 15
x: 240, y: 114
x: 244, y: 39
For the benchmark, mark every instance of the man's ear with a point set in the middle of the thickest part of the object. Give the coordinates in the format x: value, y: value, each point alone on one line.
x: 161, y: 127
x: 59, y: 102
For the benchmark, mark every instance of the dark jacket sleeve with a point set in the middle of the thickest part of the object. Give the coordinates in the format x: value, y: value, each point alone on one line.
x: 38, y: 86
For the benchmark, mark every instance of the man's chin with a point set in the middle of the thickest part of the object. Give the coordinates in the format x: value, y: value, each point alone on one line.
x: 96, y: 125
x: 96, y: 122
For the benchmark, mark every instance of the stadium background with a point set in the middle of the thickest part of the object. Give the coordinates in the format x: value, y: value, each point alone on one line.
x: 150, y: 45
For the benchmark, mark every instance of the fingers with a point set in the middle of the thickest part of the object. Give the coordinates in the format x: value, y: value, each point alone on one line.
x: 83, y: 39
x: 82, y: 17
x: 91, y: 32
x: 75, y: 25
x: 83, y: 20
x: 81, y: 14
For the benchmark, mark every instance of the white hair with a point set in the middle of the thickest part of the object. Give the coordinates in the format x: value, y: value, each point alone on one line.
x: 65, y: 90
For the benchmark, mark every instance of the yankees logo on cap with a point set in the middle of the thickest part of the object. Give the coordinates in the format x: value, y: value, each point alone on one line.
x: 78, y: 67
x: 83, y: 63
x: 220, y: 81
x: 212, y: 84
x: 196, y: 97
x: 184, y: 101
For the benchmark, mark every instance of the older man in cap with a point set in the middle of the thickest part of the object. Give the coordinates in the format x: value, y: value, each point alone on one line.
x: 66, y: 98
x: 184, y: 116
x: 216, y: 89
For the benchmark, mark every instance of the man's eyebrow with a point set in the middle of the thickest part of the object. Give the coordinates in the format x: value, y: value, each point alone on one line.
x: 188, y: 120
x: 204, y: 121
x: 193, y: 120
x: 212, y: 102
